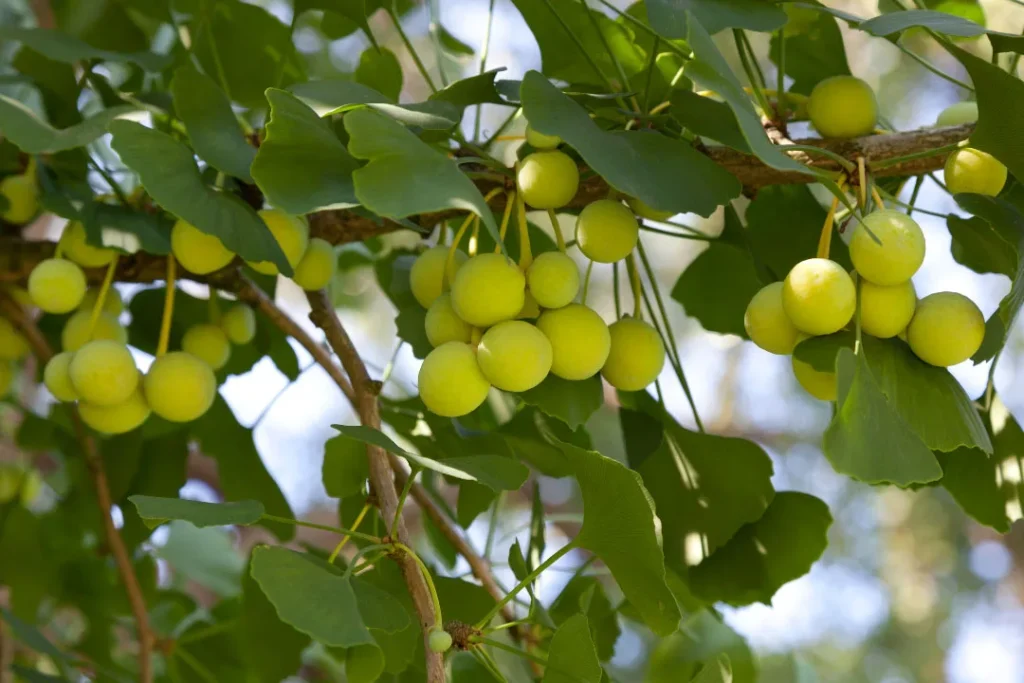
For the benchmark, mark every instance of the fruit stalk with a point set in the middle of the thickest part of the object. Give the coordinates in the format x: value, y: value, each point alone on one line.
x: 101, y: 298
x: 165, y: 323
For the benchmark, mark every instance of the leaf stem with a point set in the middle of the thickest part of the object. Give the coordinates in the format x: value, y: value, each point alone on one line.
x: 845, y: 163
x: 945, y: 149
x: 762, y: 100
x: 434, y: 8
x: 918, y: 182
x: 615, y: 290
x: 363, y: 552
x: 408, y: 46
x: 211, y: 630
x: 637, y: 286
x: 510, y: 200
x: 402, y: 497
x: 781, y: 103
x: 525, y: 254
x: 438, y: 621
x: 527, y: 580
x: 587, y: 57
x: 193, y: 663
x: 355, y: 526
x: 679, y: 235
x: 488, y: 663
x: 484, y: 51
x: 929, y: 66
x: 498, y: 645
x: 322, y: 527
x: 165, y: 323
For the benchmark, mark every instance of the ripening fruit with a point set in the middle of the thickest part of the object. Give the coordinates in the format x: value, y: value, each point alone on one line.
x: 196, y: 251
x: 541, y: 141
x: 239, y: 323
x: 971, y: 170
x: 900, y: 253
x: 489, y: 288
x: 57, y: 378
x: 427, y: 273
x: 6, y: 377
x: 56, y: 285
x: 554, y: 279
x: 19, y: 294
x: 13, y: 346
x: 103, y: 372
x: 947, y: 328
x: 820, y: 385
x: 450, y: 381
x: 112, y: 304
x: 208, y: 343
x: 530, y: 309
x: 22, y: 196
x: 606, y: 231
x: 514, y: 356
x: 292, y: 235
x: 443, y: 324
x: 75, y: 334
x: 580, y: 341
x: 117, y: 419
x: 74, y: 246
x: 15, y: 478
x: 548, y: 180
x: 180, y: 387
x: 843, y: 107
x: 767, y: 324
x: 440, y: 640
x: 650, y: 213
x: 958, y: 114
x: 886, y: 311
x: 317, y: 267
x: 819, y: 296
x: 636, y: 357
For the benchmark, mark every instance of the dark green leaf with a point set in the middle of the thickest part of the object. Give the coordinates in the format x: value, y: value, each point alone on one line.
x: 411, y: 326
x: 363, y: 663
x: 678, y: 657
x: 33, y: 135
x: 586, y: 595
x: 572, y: 657
x: 717, y: 670
x: 126, y: 228
x: 345, y: 467
x: 813, y: 53
x: 981, y: 246
x: 572, y: 402
x: 453, y: 44
x: 65, y: 48
x: 940, y: 22
x: 708, y: 118
x: 155, y: 511
x: 379, y: 69
x: 477, y: 89
x: 207, y: 557
x: 272, y: 648
x: 160, y: 472
x: 337, y: 96
x: 669, y: 17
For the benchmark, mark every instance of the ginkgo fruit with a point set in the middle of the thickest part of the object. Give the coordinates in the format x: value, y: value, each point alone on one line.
x: 6, y: 377
x: 22, y: 195
x: 13, y: 345
x: 117, y: 419
x: 843, y: 107
x: 580, y: 341
x: 112, y: 303
x: 180, y: 387
x: 897, y: 254
x: 818, y: 296
x: 650, y: 213
x: 971, y: 170
x: 488, y: 288
x: 450, y: 381
x: 886, y: 311
x: 958, y: 114
x: 209, y: 343
x: 57, y: 285
x: 74, y: 246
x: 239, y: 324
x: 514, y: 355
x: 16, y: 480
x: 821, y: 385
x: 540, y: 140
x: 636, y: 356
x: 317, y: 267
x: 292, y: 235
x: 440, y: 640
x: 57, y: 378
x: 766, y: 321
x: 606, y: 231
x: 947, y: 328
x: 548, y: 180
x: 75, y: 334
x: 428, y: 272
x: 103, y: 373
x: 197, y: 251
x: 554, y: 279
x: 444, y: 325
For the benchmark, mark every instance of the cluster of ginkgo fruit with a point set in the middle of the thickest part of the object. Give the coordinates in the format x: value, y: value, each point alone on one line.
x: 495, y: 322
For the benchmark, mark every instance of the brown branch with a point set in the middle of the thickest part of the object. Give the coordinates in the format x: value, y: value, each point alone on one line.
x: 26, y: 325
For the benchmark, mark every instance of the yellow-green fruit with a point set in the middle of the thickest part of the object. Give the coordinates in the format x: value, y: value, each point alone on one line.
x: 13, y: 346
x: 117, y: 419
x: 208, y: 343
x: 427, y: 273
x: 292, y: 235
x: 22, y: 196
x: 74, y: 246
x: 6, y: 377
x: 548, y: 180
x: 239, y: 323
x: 606, y: 231
x: 900, y: 253
x: 444, y: 325
x: 541, y: 141
x: 820, y: 385
x: 580, y: 341
x: 767, y: 324
x: 57, y: 378
x: 819, y: 296
x: 197, y: 251
x: 514, y: 356
x: 971, y: 170
x: 180, y: 387
x: 843, y: 107
x: 14, y: 478
x: 947, y: 328
x: 103, y: 373
x: 636, y: 356
x: 19, y: 294
x: 957, y: 114
x: 886, y: 311
x: 112, y: 304
x: 450, y: 381
x: 317, y: 267
x: 56, y: 285
x: 75, y: 334
x: 489, y: 288
x: 554, y: 279
x: 645, y: 211
x: 530, y: 309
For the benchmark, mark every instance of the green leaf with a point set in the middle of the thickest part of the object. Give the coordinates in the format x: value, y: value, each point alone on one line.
x: 453, y: 44
x: 572, y: 657
x: 126, y: 228
x: 664, y: 173
x: 272, y: 648
x: 814, y: 52
x: 940, y: 22
x: 766, y: 554
x: 33, y: 135
x: 982, y: 246
x: 207, y: 557
x: 56, y: 82
x: 160, y: 472
x: 331, y: 97
x: 379, y: 610
x: 678, y: 657
x: 379, y: 69
x: 619, y: 525
x: 707, y: 118
x: 32, y: 637
x: 168, y: 172
x: 669, y: 17
x: 586, y: 595
x: 411, y: 326
x: 155, y: 511
x: 867, y: 439
x: 718, y: 670
x: 346, y: 467
x: 477, y: 89
x: 65, y: 48
x: 572, y: 402
x: 302, y: 166
x: 363, y: 663
x: 212, y: 126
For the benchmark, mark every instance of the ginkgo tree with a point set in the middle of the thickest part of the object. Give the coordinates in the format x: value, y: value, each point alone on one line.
x: 185, y: 141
